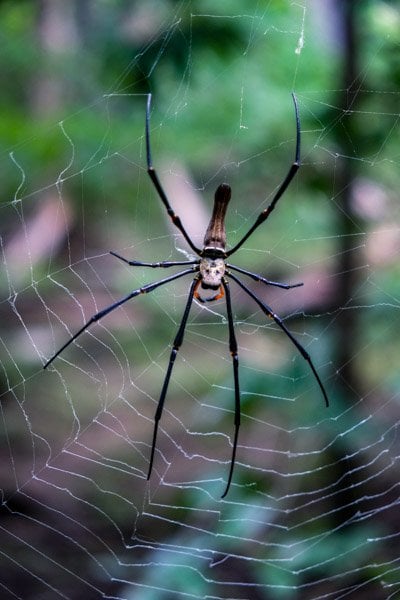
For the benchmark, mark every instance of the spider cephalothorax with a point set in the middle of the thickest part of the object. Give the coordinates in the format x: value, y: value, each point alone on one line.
x: 212, y: 271
x: 210, y: 282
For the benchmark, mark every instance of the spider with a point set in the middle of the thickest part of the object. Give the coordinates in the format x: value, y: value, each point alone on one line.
x: 210, y: 283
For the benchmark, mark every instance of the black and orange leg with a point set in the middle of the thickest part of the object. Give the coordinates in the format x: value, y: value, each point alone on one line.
x: 175, y: 348
x: 143, y: 290
x: 164, y: 264
x: 233, y: 348
x: 294, y: 167
x: 259, y: 278
x: 156, y: 182
x: 269, y: 312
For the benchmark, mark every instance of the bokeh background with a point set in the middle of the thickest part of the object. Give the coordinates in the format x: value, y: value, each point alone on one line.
x: 313, y: 509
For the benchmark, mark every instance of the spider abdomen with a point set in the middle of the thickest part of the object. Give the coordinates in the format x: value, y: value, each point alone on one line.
x: 215, y: 236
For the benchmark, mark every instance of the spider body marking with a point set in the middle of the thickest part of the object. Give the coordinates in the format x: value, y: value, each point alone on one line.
x: 210, y: 283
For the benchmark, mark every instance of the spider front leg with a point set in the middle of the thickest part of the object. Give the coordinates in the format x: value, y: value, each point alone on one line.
x: 175, y: 348
x: 269, y: 312
x: 233, y: 348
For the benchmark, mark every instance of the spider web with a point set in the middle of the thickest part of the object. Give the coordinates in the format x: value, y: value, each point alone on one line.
x: 312, y: 510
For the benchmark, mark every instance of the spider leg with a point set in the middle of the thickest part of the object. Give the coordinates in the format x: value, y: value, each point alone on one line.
x: 163, y: 264
x: 143, y: 290
x: 269, y: 312
x: 175, y: 348
x: 257, y: 277
x: 235, y: 361
x: 156, y: 182
x: 282, y: 188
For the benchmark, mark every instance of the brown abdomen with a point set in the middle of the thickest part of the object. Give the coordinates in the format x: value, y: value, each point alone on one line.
x: 215, y: 236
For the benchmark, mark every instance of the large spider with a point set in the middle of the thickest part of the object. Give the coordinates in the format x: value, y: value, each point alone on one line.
x: 210, y: 282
